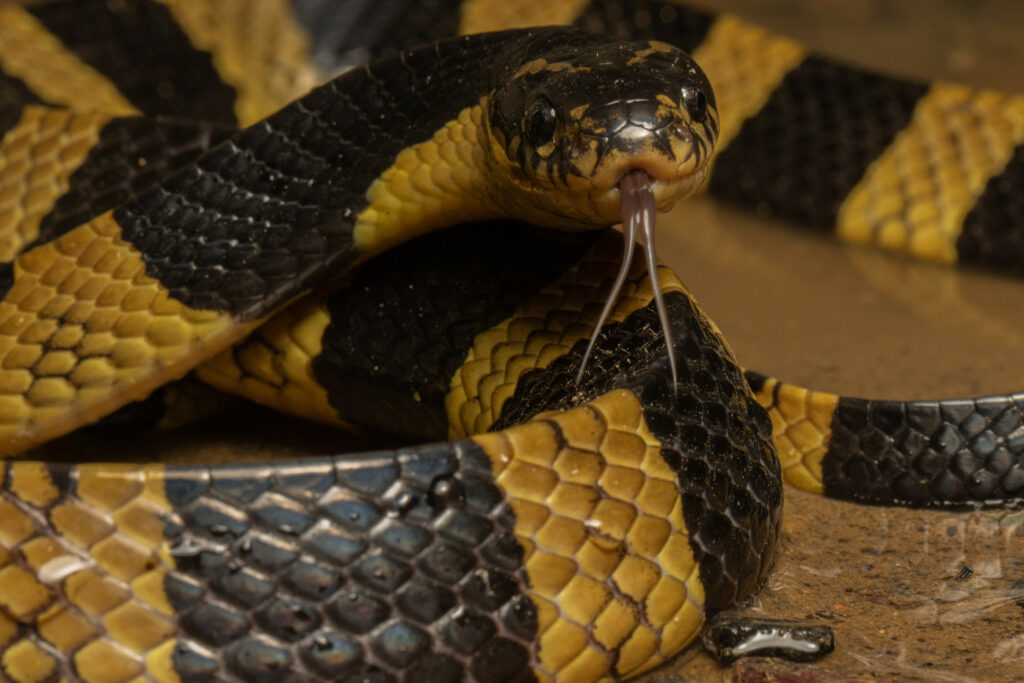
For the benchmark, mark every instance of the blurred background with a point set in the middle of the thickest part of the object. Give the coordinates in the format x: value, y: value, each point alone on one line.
x: 978, y: 42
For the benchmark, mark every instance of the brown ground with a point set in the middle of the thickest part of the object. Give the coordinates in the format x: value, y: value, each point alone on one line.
x: 855, y: 322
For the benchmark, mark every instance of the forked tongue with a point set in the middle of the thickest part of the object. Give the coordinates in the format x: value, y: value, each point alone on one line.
x: 638, y: 208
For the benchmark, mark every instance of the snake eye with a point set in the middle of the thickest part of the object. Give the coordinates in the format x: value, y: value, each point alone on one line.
x: 695, y: 102
x: 540, y: 122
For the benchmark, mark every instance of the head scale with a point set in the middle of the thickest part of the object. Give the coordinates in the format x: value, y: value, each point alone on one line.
x: 566, y: 126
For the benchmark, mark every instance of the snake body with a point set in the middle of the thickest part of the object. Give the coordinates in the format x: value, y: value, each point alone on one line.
x: 588, y: 534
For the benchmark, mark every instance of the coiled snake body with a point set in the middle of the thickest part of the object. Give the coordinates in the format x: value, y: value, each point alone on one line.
x: 589, y: 531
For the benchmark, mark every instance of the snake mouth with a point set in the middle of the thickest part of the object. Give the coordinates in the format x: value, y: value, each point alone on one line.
x: 638, y: 208
x: 665, y: 188
x: 672, y: 159
x: 662, y: 163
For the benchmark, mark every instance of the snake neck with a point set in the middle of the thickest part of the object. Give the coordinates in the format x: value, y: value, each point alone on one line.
x: 442, y: 181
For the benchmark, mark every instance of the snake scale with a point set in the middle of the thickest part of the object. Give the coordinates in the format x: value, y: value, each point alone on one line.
x: 554, y: 529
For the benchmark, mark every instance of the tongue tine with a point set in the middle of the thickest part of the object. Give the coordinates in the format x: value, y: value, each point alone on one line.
x: 638, y: 210
x: 630, y: 222
x: 647, y: 211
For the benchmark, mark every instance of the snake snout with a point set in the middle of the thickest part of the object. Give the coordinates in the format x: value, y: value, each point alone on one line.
x: 640, y: 135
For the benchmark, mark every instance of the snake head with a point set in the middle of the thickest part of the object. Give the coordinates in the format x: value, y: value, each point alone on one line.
x: 566, y: 127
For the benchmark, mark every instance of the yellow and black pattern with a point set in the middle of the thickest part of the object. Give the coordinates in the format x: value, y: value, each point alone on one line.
x: 960, y: 452
x: 324, y: 364
x: 762, y: 81
x: 82, y: 580
x: 40, y: 153
x: 562, y: 492
x: 891, y: 200
x: 592, y: 533
x: 586, y: 542
x: 908, y: 164
x: 863, y: 166
x: 138, y: 49
x: 85, y: 328
x: 896, y: 207
x: 195, y: 261
x: 36, y: 68
x: 60, y: 169
x: 107, y: 310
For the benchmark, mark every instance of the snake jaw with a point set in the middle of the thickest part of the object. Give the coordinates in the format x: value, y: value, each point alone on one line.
x: 665, y: 189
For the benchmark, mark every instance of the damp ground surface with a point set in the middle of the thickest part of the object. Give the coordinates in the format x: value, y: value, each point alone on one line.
x: 919, y: 595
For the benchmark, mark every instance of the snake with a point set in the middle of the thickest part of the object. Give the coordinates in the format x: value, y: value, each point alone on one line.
x: 174, y: 180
